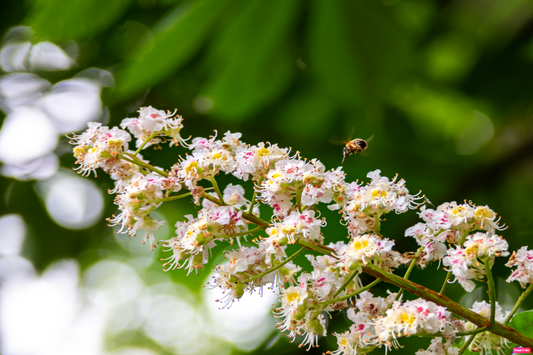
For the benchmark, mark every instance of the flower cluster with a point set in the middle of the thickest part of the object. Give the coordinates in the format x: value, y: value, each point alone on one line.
x: 486, y: 341
x: 99, y: 147
x: 363, y: 205
x: 461, y: 236
x: 523, y: 260
x: 155, y: 126
x: 444, y: 236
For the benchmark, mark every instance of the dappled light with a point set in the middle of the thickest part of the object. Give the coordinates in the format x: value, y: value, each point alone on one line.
x: 72, y: 202
x: 247, y: 322
x: 182, y: 99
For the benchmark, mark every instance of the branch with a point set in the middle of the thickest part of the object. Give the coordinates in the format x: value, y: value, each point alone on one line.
x: 452, y: 306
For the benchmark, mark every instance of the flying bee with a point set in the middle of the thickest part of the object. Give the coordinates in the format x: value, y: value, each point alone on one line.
x: 353, y: 146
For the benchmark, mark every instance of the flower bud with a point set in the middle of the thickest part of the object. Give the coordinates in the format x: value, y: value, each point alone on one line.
x: 197, y: 262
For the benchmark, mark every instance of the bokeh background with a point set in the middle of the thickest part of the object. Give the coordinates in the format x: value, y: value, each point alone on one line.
x: 444, y: 88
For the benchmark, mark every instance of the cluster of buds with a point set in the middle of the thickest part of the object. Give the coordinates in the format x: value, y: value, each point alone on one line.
x: 460, y: 236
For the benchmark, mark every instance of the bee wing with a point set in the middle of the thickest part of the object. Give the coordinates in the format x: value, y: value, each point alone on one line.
x: 337, y: 141
x: 369, y: 138
x: 352, y: 131
x: 342, y: 141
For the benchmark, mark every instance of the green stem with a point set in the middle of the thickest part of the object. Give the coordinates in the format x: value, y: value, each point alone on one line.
x: 461, y: 334
x: 521, y: 299
x: 409, y: 270
x: 242, y: 233
x: 254, y: 195
x: 258, y: 276
x: 171, y: 198
x: 377, y: 226
x: 217, y: 190
x: 319, y: 248
x: 452, y: 306
x: 370, y: 285
x: 299, y: 198
x: 492, y: 289
x: 466, y: 345
x: 470, y: 332
x: 139, y: 162
x: 145, y: 142
x: 463, y: 238
x: 348, y: 280
x: 448, y: 275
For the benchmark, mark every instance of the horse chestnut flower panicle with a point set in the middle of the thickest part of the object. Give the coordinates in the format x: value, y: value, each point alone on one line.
x: 263, y: 249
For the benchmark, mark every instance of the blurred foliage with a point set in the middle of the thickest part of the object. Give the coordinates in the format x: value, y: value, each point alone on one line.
x: 443, y: 86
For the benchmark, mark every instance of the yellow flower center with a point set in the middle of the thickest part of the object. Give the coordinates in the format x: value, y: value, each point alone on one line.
x: 191, y: 166
x: 343, y: 342
x: 483, y: 212
x: 293, y: 296
x: 379, y: 193
x: 288, y: 230
x: 472, y: 250
x: 458, y: 209
x: 263, y: 151
x: 358, y: 245
x: 407, y: 318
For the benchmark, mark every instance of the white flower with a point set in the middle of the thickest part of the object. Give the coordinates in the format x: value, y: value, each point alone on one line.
x: 523, y: 259
x: 296, y: 226
x: 413, y: 317
x: 363, y: 249
x: 486, y: 341
x: 437, y: 347
x: 99, y: 147
x: 157, y: 123
x: 256, y: 160
x: 378, y: 197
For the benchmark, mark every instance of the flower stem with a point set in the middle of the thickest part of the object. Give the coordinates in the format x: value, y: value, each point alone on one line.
x: 492, y: 289
x: 452, y: 306
x: 145, y: 142
x: 348, y: 280
x: 408, y: 272
x: 448, y: 275
x: 139, y: 162
x: 521, y: 299
x: 299, y: 198
x: 254, y: 195
x: 257, y: 229
x: 217, y: 190
x: 171, y: 198
x: 370, y: 285
x: 466, y: 345
x: 319, y: 248
x: 274, y: 268
x: 475, y: 331
x: 377, y: 226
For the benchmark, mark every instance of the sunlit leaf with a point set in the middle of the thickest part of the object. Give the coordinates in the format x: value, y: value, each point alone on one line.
x: 252, y: 58
x: 355, y: 51
x: 78, y: 20
x: 523, y: 323
x: 179, y: 36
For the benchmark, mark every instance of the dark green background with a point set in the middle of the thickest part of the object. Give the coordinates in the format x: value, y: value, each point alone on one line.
x: 411, y: 73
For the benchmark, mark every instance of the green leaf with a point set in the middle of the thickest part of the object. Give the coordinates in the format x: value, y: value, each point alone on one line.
x: 253, y: 59
x: 73, y: 19
x: 179, y: 37
x: 355, y: 50
x: 523, y: 322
